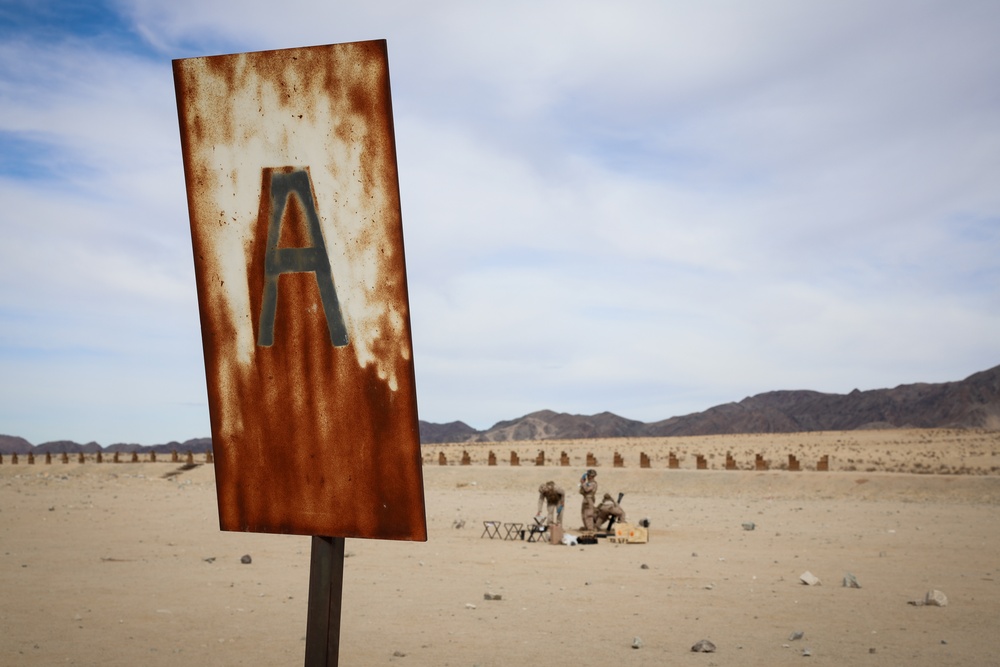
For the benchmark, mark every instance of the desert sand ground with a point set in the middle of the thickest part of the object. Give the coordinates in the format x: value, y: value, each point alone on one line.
x: 121, y: 564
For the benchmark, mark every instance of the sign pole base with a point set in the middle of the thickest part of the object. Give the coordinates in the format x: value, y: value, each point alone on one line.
x: 326, y: 587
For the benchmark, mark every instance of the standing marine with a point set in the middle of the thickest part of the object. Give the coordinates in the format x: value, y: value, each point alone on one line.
x: 588, y: 489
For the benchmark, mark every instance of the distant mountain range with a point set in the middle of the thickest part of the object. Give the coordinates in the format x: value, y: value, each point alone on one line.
x: 970, y: 403
x: 10, y: 444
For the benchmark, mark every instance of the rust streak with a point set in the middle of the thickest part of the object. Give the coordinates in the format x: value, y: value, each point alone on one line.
x: 309, y: 438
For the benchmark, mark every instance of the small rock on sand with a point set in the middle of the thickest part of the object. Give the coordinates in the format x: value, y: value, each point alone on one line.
x: 809, y: 579
x: 936, y: 598
x: 703, y: 646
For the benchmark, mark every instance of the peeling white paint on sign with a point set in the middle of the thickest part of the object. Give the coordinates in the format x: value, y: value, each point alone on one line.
x: 315, y: 431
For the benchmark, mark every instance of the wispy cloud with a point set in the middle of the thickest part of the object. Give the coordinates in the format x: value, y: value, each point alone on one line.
x: 644, y: 207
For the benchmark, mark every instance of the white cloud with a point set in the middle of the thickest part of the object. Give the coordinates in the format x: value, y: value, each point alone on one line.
x: 644, y: 207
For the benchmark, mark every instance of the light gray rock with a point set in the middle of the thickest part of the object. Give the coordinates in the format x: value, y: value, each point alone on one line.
x: 809, y: 579
x: 936, y: 598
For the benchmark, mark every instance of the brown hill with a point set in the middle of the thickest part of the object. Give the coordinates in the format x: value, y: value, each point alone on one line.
x: 549, y: 425
x: 451, y: 432
x: 66, y: 447
x: 11, y: 444
x: 970, y: 403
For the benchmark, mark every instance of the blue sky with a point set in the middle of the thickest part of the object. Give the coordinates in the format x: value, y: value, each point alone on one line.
x: 643, y: 207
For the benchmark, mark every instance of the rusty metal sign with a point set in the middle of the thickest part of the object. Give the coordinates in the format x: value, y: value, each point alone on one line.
x: 293, y: 196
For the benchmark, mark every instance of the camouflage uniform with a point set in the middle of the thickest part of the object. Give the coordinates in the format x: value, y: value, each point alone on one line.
x: 551, y: 495
x: 588, y: 489
x: 609, y: 508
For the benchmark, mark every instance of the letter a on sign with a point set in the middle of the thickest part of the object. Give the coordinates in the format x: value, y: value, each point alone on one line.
x: 293, y: 196
x: 290, y: 260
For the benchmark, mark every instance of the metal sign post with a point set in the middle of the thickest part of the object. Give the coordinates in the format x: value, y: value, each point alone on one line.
x: 326, y: 585
x: 293, y: 196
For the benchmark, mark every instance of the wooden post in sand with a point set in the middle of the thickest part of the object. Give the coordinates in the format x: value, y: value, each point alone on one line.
x: 135, y: 457
x: 759, y: 463
x: 540, y: 459
x: 644, y: 460
x: 618, y: 462
x: 793, y: 463
x: 442, y: 459
x: 824, y: 464
x: 466, y: 459
x: 492, y: 459
x: 700, y: 462
x: 48, y: 458
x: 13, y: 458
x: 730, y: 462
x: 514, y: 460
x: 672, y: 462
x: 591, y: 460
x: 564, y: 459
x: 79, y: 458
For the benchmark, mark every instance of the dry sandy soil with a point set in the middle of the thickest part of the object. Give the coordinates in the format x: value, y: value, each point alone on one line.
x: 105, y: 564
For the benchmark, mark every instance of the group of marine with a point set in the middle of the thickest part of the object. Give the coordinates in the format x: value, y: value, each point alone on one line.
x: 594, y: 514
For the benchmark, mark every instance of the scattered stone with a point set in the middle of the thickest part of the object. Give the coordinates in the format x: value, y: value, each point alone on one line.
x: 806, y: 653
x: 643, y: 567
x: 636, y: 642
x: 492, y: 596
x: 795, y: 636
x: 469, y: 605
x: 936, y: 598
x: 750, y: 525
x: 850, y: 581
x: 398, y: 654
x: 246, y: 560
x: 210, y: 559
x: 703, y: 646
x: 458, y: 523
x: 809, y: 579
x: 871, y: 650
